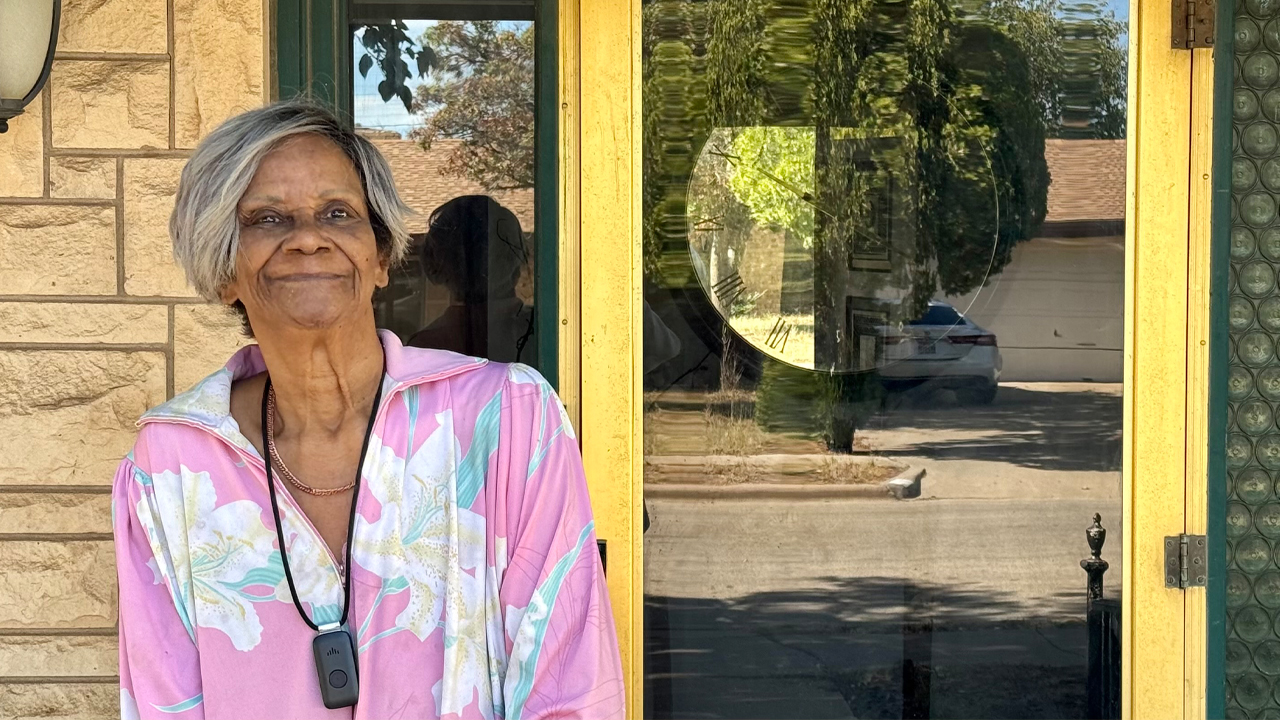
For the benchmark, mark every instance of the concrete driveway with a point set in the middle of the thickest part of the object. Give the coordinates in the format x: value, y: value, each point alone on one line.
x: 1037, y: 440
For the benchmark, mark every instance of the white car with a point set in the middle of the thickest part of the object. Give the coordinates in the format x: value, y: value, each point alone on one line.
x: 942, y: 349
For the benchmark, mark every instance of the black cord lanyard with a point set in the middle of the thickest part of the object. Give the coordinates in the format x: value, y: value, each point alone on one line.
x: 351, y: 522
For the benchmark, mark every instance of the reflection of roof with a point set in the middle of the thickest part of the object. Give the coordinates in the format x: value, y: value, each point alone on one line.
x: 1087, y: 179
x: 423, y: 187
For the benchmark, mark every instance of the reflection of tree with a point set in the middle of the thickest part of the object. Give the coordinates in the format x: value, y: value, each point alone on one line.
x: 721, y: 218
x: 972, y: 86
x: 968, y: 107
x: 773, y: 176
x: 1096, y: 65
x: 478, y: 79
x: 388, y: 47
x: 673, y: 86
x: 952, y: 99
x: 480, y: 91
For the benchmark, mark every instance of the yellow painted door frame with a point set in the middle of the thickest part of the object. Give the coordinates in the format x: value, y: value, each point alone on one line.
x: 1199, y: 270
x: 1166, y: 407
x: 1166, y: 329
x: 600, y: 289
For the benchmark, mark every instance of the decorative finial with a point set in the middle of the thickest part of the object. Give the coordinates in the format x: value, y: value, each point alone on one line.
x: 1097, y: 536
x: 1095, y: 566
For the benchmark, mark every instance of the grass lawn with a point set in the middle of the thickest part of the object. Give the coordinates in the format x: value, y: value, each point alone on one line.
x: 798, y: 348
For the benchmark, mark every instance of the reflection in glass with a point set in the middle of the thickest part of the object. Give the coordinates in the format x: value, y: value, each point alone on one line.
x: 884, y: 265
x: 474, y: 248
x: 450, y: 103
x: 758, y: 233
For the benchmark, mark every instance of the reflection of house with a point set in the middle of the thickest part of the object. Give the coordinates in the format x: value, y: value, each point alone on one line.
x: 424, y: 186
x: 411, y: 303
x: 1057, y: 309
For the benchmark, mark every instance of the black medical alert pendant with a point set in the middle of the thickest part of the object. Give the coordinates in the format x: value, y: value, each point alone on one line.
x: 336, y: 668
x: 334, y: 651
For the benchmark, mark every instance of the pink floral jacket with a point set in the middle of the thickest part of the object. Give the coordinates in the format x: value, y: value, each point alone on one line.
x: 477, y: 591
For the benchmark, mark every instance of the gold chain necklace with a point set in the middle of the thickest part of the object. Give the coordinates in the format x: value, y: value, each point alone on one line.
x: 275, y: 456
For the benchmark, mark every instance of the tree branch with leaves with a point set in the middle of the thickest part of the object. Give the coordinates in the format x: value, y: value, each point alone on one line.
x: 481, y: 91
x: 389, y: 48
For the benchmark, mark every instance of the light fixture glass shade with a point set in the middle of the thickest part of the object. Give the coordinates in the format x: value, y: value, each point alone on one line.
x: 25, y: 26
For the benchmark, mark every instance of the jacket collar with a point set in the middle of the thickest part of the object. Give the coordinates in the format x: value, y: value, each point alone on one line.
x: 208, y: 402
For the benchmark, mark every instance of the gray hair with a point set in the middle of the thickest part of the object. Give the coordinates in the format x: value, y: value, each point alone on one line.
x: 204, y: 226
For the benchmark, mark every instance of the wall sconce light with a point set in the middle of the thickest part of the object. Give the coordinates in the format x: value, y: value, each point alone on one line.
x: 28, y: 37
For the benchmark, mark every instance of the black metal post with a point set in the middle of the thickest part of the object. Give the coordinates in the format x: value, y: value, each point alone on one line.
x: 917, y: 655
x: 1094, y: 565
x: 1103, y: 673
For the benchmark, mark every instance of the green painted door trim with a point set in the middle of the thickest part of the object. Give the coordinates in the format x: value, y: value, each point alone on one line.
x: 313, y: 59
x: 1219, y: 366
x: 546, y: 197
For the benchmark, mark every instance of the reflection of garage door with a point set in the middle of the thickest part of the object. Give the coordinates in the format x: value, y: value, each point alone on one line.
x: 1057, y: 310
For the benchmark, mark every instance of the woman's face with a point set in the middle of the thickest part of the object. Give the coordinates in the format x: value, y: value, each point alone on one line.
x: 308, y: 257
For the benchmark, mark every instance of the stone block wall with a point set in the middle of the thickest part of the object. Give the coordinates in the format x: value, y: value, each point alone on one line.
x: 96, y: 322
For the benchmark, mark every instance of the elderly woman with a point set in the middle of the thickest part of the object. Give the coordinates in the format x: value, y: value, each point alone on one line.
x: 334, y: 525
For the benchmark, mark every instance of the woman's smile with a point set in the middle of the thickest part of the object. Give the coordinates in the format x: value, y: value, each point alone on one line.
x: 309, y: 277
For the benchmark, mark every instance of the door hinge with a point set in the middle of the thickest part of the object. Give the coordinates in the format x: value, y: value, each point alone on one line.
x: 1186, y: 560
x: 1193, y: 23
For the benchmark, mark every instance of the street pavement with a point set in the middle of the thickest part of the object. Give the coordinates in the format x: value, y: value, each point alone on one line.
x: 795, y: 609
x: 811, y: 608
x: 1045, y: 440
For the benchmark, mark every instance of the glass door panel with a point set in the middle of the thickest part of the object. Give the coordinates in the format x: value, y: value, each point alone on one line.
x: 449, y: 93
x: 883, y: 356
x: 1245, y: 511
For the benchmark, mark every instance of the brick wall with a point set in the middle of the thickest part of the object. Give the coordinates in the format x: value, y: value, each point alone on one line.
x: 96, y: 322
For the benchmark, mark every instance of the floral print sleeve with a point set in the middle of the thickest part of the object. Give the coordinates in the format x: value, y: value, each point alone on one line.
x: 562, y: 650
x: 155, y: 628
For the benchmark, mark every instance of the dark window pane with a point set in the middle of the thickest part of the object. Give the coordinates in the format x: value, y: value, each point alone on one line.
x: 458, y: 127
x: 939, y: 315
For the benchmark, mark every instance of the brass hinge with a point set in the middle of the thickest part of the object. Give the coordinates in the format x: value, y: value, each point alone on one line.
x: 1186, y: 560
x: 1193, y: 23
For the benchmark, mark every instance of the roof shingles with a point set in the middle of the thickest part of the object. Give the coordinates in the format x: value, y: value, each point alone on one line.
x: 423, y: 185
x: 1087, y: 179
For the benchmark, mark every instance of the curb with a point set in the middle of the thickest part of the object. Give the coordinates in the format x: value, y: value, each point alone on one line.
x: 905, y: 486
